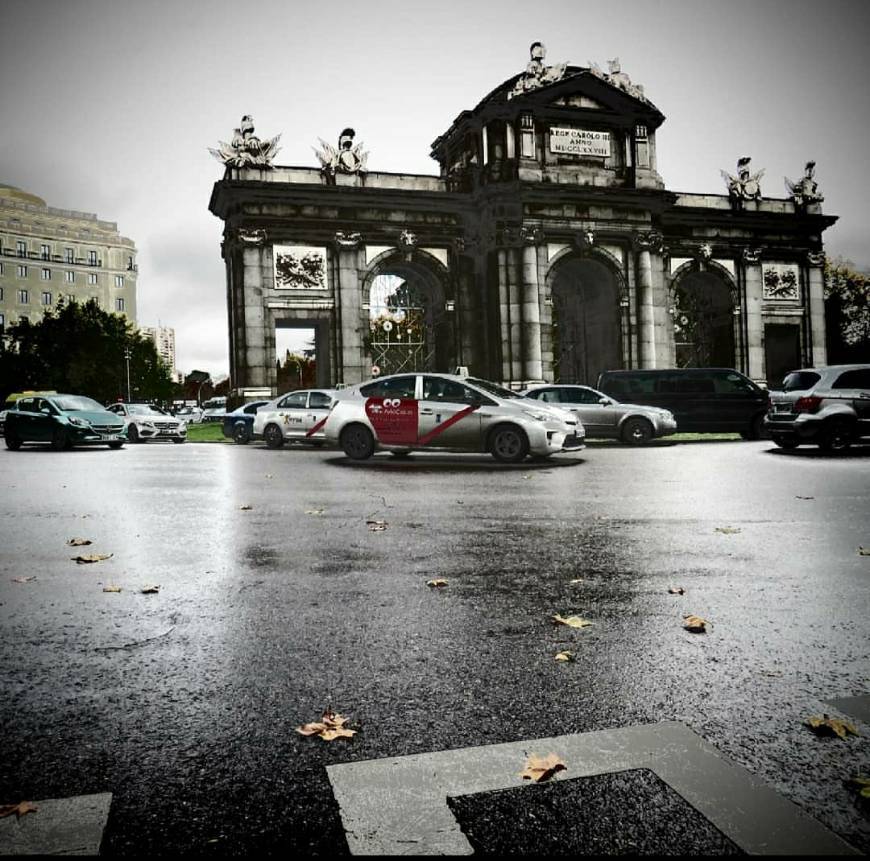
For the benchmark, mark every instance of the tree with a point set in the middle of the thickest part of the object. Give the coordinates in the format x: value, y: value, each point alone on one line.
x: 847, y: 312
x: 298, y: 371
x: 81, y: 349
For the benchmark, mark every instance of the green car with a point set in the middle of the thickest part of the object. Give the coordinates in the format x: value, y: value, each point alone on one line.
x: 63, y: 421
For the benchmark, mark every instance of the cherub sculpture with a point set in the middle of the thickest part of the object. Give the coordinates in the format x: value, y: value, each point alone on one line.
x: 246, y: 149
x: 537, y: 74
x: 346, y: 159
x: 806, y: 189
x: 743, y: 186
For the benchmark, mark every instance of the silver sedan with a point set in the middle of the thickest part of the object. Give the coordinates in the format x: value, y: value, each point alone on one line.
x: 603, y: 416
x: 407, y: 412
x: 297, y: 416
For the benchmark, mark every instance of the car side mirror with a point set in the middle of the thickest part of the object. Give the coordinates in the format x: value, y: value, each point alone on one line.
x: 605, y: 402
x: 45, y: 411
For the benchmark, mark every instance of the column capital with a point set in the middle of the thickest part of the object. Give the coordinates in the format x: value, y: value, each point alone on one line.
x: 650, y: 240
x: 347, y: 239
x: 751, y: 256
x: 585, y: 239
x: 816, y: 258
x: 250, y: 237
x: 531, y: 235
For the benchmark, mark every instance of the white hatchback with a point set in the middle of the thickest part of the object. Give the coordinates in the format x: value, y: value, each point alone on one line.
x: 297, y: 416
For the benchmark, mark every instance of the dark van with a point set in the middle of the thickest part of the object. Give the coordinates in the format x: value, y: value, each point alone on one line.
x: 703, y: 400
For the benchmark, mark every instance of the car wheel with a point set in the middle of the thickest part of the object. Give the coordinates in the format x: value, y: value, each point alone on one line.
x: 13, y: 442
x: 133, y: 434
x: 755, y: 430
x: 357, y: 442
x: 273, y: 436
x: 116, y: 445
x: 837, y: 436
x: 508, y: 444
x: 241, y: 435
x: 60, y: 440
x: 785, y: 442
x: 637, y: 431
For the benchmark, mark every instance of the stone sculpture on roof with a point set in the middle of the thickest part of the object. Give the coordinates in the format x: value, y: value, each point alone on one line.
x: 246, y: 149
x: 346, y: 159
x: 537, y: 74
x: 806, y: 189
x: 744, y: 186
x: 618, y: 78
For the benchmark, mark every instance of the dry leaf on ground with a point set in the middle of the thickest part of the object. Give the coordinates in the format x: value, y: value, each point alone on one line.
x: 575, y: 581
x: 79, y: 542
x: 150, y: 590
x: 825, y: 725
x: 541, y: 768
x: 246, y: 507
x: 864, y: 551
x: 111, y: 587
x: 23, y: 579
x: 436, y: 582
x: 93, y: 557
x: 268, y: 475
x: 805, y: 497
x: 695, y: 624
x: 20, y: 809
x: 377, y: 525
x: 571, y: 621
x: 314, y: 511
x: 564, y: 656
x: 330, y: 727
x: 727, y: 530
x: 676, y: 590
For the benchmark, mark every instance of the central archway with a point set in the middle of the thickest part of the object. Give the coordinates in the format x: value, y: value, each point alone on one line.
x: 587, y: 336
x: 703, y: 312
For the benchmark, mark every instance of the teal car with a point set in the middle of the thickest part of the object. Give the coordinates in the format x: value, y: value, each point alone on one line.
x: 63, y: 421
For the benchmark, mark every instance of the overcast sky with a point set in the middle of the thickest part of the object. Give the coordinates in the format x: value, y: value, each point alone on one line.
x: 108, y: 106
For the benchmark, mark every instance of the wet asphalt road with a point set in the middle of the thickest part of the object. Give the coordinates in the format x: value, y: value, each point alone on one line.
x: 184, y: 704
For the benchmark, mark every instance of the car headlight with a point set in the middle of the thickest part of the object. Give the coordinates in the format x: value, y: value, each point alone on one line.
x: 78, y: 422
x: 182, y: 426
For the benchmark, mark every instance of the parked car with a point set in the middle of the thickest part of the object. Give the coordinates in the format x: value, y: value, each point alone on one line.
x: 404, y: 412
x: 827, y: 406
x: 298, y: 416
x: 63, y: 421
x: 702, y: 400
x: 214, y: 410
x: 606, y: 417
x: 11, y: 401
x: 189, y: 415
x: 145, y: 422
x: 239, y: 424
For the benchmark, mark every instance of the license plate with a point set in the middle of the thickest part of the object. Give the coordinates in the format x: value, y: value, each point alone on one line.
x: 110, y: 436
x: 782, y: 408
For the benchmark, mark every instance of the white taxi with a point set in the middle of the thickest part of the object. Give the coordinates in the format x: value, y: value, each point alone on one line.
x: 298, y: 415
x: 406, y: 412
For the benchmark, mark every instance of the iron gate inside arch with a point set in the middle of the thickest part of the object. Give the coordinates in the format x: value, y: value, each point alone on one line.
x: 401, y: 325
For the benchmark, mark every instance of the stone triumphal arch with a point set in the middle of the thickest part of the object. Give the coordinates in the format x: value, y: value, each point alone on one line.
x: 546, y: 248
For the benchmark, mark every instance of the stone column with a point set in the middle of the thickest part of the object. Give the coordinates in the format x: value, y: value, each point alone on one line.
x: 504, y: 314
x: 257, y: 363
x: 515, y: 302
x: 752, y: 311
x: 534, y: 369
x: 470, y: 320
x: 348, y: 311
x: 644, y: 243
x: 816, y: 293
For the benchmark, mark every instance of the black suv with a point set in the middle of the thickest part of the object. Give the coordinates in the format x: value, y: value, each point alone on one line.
x: 827, y: 406
x: 703, y: 400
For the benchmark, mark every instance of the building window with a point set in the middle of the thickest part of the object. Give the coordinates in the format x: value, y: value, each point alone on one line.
x: 23, y: 318
x: 70, y: 255
x: 640, y: 132
x: 2, y: 322
x: 22, y: 271
x: 45, y: 251
x: 119, y: 280
x: 96, y: 300
x: 69, y: 277
x: 92, y: 258
x: 119, y: 304
x: 46, y: 274
x: 130, y: 263
x: 21, y: 248
x: 46, y: 298
x: 1, y: 294
x: 92, y: 278
x: 23, y: 297
x: 1, y: 267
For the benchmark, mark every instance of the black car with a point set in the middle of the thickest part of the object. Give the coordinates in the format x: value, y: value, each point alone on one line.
x: 703, y: 400
x: 239, y: 424
x: 63, y: 421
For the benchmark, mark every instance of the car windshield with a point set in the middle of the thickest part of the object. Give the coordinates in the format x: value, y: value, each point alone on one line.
x: 69, y: 403
x: 144, y: 410
x: 799, y: 381
x: 492, y: 388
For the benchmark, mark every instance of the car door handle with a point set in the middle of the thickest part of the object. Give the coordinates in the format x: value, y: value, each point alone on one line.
x: 426, y: 412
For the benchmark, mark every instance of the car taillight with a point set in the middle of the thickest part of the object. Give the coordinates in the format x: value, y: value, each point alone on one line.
x: 807, y: 404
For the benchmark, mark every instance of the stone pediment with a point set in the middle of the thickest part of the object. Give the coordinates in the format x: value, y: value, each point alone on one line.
x: 578, y: 100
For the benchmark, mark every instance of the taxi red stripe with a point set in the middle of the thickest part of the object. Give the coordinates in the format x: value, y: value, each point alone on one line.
x: 317, y: 427
x: 425, y: 440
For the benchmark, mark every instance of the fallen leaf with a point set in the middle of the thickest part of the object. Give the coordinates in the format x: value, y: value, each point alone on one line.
x: 330, y: 727
x: 541, y: 768
x: 268, y: 475
x: 805, y: 497
x: 93, y: 557
x: 110, y: 587
x: 564, y: 656
x: 20, y: 809
x: 825, y: 725
x: 864, y: 551
x: 377, y: 525
x: 695, y: 624
x: 437, y: 582
x: 23, y: 579
x: 575, y: 581
x: 527, y: 475
x: 571, y: 621
x: 677, y: 590
x: 861, y: 785
x: 246, y: 507
x: 315, y: 511
x: 150, y: 590
x: 727, y: 530
x: 79, y: 542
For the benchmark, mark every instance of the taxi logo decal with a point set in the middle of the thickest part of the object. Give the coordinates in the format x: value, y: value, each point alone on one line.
x: 394, y: 420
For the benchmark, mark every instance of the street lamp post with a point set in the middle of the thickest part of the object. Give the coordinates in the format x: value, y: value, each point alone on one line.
x: 127, y: 356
